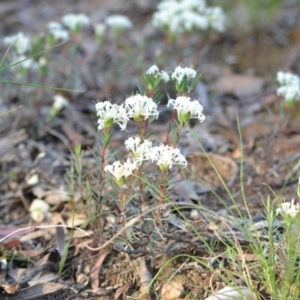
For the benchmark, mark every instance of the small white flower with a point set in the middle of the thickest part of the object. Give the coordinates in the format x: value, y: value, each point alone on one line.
x: 42, y: 61
x: 154, y: 71
x: 166, y: 156
x: 27, y: 64
x: 288, y: 208
x: 140, y: 107
x: 139, y: 148
x: 20, y: 42
x: 216, y: 18
x: 289, y: 86
x: 75, y: 21
x: 39, y: 210
x: 111, y: 113
x: 118, y: 22
x: 191, y: 21
x: 285, y: 78
x: 59, y: 102
x: 165, y: 76
x: 121, y: 171
x: 180, y: 73
x: 54, y: 26
x: 187, y: 109
x: 57, y: 31
x: 99, y: 29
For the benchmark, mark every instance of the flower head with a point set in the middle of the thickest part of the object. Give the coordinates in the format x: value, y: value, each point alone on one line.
x: 289, y: 209
x: 187, y: 109
x: 20, y: 42
x: 118, y: 22
x: 289, y: 86
x: 179, y: 16
x: 25, y: 63
x: 121, y: 171
x: 57, y: 31
x: 166, y: 156
x: 139, y: 148
x: 180, y: 73
x: 99, y: 30
x: 59, y: 102
x: 39, y: 210
x: 185, y: 78
x: 75, y: 21
x: 154, y: 71
x: 140, y: 107
x: 111, y: 113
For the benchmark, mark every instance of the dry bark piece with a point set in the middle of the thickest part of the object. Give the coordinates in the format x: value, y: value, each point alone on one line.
x: 11, y: 289
x: 39, y: 290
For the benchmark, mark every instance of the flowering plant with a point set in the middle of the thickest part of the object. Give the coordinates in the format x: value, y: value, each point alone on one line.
x: 164, y: 156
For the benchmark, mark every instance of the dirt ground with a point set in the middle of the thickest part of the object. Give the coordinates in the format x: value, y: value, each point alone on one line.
x: 238, y: 90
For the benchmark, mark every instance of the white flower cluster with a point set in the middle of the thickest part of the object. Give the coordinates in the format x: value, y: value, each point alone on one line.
x: 109, y: 114
x: 75, y: 21
x: 187, y: 109
x: 141, y: 107
x: 154, y: 71
x: 179, y: 16
x: 57, y: 31
x: 180, y: 73
x: 99, y: 29
x: 288, y: 208
x: 289, y: 86
x: 22, y: 46
x: 138, y: 107
x: 20, y: 42
x: 164, y: 156
x: 139, y: 148
x: 121, y: 171
x: 118, y: 22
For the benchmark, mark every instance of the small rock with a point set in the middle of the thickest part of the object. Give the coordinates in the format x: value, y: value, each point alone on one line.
x: 171, y: 290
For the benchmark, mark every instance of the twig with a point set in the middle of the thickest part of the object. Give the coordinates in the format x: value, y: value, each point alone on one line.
x: 135, y: 220
x: 43, y: 227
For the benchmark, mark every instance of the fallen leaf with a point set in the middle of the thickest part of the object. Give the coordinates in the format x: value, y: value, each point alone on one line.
x: 94, y: 274
x: 240, y: 85
x: 122, y: 290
